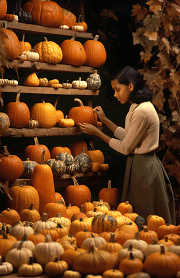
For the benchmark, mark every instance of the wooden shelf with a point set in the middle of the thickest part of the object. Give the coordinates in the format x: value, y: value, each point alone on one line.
x: 58, y: 182
x: 48, y: 91
x: 38, y: 29
x: 48, y: 67
x: 42, y: 132
x: 15, y: 275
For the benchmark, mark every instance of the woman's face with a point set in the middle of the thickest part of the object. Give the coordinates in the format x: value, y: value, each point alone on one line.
x: 121, y: 91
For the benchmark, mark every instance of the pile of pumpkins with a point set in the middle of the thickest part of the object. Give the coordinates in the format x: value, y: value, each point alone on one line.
x: 89, y: 240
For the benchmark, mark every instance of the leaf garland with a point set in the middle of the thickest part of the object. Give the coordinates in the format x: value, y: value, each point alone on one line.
x: 160, y: 57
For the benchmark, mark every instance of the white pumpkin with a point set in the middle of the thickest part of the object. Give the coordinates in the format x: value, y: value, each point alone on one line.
x: 65, y: 27
x: 5, y: 268
x: 67, y: 85
x: 77, y: 28
x: 30, y: 56
x: 79, y: 84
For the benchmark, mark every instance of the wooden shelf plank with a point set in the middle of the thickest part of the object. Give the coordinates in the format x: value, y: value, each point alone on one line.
x: 48, y: 90
x: 41, y: 132
x: 49, y: 67
x: 15, y: 275
x: 38, y: 29
x: 57, y: 181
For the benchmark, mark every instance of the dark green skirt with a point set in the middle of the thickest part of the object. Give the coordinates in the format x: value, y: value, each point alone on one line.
x: 147, y: 187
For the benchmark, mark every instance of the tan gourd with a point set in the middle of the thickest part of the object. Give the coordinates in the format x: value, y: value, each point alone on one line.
x: 5, y: 268
x: 30, y: 269
x: 43, y: 224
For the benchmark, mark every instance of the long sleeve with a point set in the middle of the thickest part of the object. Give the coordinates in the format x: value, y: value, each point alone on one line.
x: 119, y: 133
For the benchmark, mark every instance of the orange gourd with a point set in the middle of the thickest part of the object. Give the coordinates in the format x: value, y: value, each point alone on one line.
x: 18, y: 113
x: 46, y: 13
x: 24, y: 46
x: 42, y: 180
x: 110, y: 195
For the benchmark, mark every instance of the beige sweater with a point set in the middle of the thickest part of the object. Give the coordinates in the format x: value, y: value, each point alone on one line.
x: 141, y: 133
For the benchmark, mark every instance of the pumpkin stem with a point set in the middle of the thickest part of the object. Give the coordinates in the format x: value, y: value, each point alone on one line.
x: 136, y: 236
x: 62, y: 201
x: 45, y: 39
x: 91, y: 248
x: 75, y: 35
x: 96, y: 38
x: 92, y: 235
x: 24, y: 237
x: 44, y: 218
x: 112, y: 238
x: 131, y: 257
x: 95, y: 71
x: 95, y: 209
x: 145, y: 228
x: 56, y: 260
x: 55, y: 104
x: 75, y: 181
x: 30, y: 260
x: 80, y: 101
x: 162, y: 250
x: 26, y: 224
x: 36, y: 142
x: 92, y: 148
x: 166, y: 239
x: 0, y: 260
x: 86, y: 230
x: 20, y: 245
x: 81, y: 219
x: 48, y: 238
x: 6, y: 151
x: 59, y: 226
x: 109, y: 184
x: 81, y: 209
x: 5, y: 236
x: 22, y: 185
x: 42, y: 157
x: 154, y: 241
x: 59, y: 215
x: 130, y: 247
x: 79, y: 18
x: 18, y: 96
x: 23, y: 37
x: 31, y: 207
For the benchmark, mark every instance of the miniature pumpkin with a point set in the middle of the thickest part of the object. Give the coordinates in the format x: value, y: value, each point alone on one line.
x: 18, y: 113
x: 46, y: 13
x: 29, y: 56
x: 34, y: 152
x: 73, y: 52
x: 59, y: 114
x: 25, y: 243
x: 67, y: 244
x: 32, y: 269
x: 67, y: 122
x: 3, y: 8
x: 57, y: 166
x: 101, y: 202
x: 11, y: 17
x: 81, y: 23
x: 123, y: 207
x: 70, y: 210
x: 173, y: 237
x: 52, y: 209
x: 111, y: 246
x: 32, y: 80
x: 123, y: 235
x: 42, y: 179
x: 11, y: 166
x: 72, y: 274
x: 69, y: 18
x: 71, y: 254
x: 166, y: 241
x: 78, y: 215
x: 24, y: 46
x: 64, y: 221
x: 56, y: 268
x: 110, y: 195
x: 80, y: 225
x: 147, y: 235
x: 93, y: 261
x: 77, y: 194
x: 30, y: 214
x: 95, y: 167
x: 82, y: 235
x: 11, y: 44
x: 125, y: 253
x: 56, y: 150
x: 94, y: 213
x: 72, y: 169
x: 43, y: 82
x: 5, y: 268
x: 154, y: 221
x: 112, y: 273
x: 154, y: 247
x: 79, y: 84
x: 77, y: 28
x: 53, y: 81
x: 52, y: 232
x: 162, y: 264
x: 22, y: 197
x: 19, y: 230
x: 49, y: 51
x: 93, y: 81
x: 130, y: 214
x: 88, y: 206
x: 61, y: 230
x: 67, y: 85
x: 96, y: 155
x: 104, y: 223
x: 95, y: 53
x: 36, y: 238
x: 136, y: 243
x: 130, y: 265
x: 18, y: 256
x: 82, y: 114
x: 175, y: 248
x: 167, y: 229
x: 6, y: 242
x: 67, y: 158
x: 33, y: 123
x: 44, y: 113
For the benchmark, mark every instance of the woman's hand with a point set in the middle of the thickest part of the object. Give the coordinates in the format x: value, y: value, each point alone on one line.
x: 88, y: 128
x: 99, y: 111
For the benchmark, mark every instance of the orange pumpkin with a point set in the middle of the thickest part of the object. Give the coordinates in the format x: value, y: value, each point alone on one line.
x: 36, y: 238
x: 52, y: 209
x: 11, y: 44
x: 95, y: 155
x: 59, y: 113
x: 167, y: 229
x: 154, y: 221
x: 124, y: 207
x: 104, y: 223
x: 57, y: 150
x: 88, y: 206
x: 81, y: 23
x: 3, y: 8
x: 76, y: 147
x: 131, y: 265
x: 30, y: 214
x: 46, y: 13
x: 58, y: 196
x: 147, y: 235
x: 11, y: 166
x: 24, y: 46
x: 34, y: 152
x: 6, y: 242
x: 77, y: 194
x: 71, y: 254
x: 18, y: 113
x: 43, y: 181
x: 110, y: 195
x: 95, y: 53
x: 82, y: 114
x: 9, y: 216
x: 73, y: 52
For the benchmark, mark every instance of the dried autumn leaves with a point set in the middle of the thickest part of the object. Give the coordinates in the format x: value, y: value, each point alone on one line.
x: 159, y: 36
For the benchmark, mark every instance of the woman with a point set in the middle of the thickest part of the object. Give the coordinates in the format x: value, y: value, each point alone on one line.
x: 146, y: 183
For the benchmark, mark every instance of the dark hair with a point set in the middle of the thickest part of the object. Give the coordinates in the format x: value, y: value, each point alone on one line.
x: 140, y: 92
